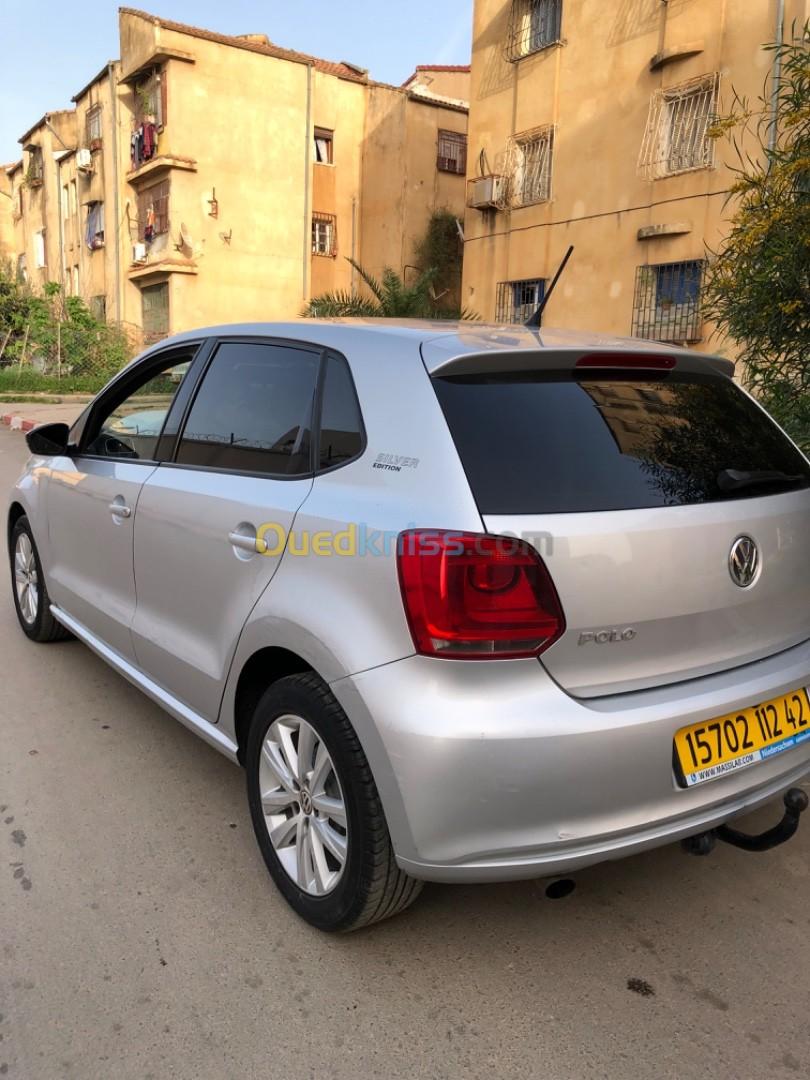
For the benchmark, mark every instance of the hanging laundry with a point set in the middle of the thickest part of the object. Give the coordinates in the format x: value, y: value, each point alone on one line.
x: 148, y: 141
x: 149, y: 227
x: 94, y: 234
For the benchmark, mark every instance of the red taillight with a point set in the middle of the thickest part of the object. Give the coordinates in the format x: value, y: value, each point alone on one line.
x: 629, y: 360
x: 476, y: 597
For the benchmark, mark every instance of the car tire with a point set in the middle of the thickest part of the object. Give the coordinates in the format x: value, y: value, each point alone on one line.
x: 319, y: 823
x: 31, y: 600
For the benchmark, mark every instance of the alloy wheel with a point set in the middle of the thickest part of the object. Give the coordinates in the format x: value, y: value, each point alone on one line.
x: 303, y: 804
x: 26, y: 581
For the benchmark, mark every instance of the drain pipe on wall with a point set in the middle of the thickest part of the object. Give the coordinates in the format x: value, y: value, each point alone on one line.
x: 776, y: 79
x: 119, y: 313
x: 308, y: 190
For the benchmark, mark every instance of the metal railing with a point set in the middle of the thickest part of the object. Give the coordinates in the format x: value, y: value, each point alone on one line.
x: 676, y: 140
x: 533, y: 25
x: 667, y: 302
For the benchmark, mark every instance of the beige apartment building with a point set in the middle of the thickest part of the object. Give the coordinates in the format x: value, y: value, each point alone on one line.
x: 205, y: 178
x: 588, y: 126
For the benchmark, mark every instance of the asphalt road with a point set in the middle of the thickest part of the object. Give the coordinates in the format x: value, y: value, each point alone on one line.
x: 141, y: 936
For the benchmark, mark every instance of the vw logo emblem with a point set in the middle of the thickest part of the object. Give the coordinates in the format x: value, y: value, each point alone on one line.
x: 743, y: 561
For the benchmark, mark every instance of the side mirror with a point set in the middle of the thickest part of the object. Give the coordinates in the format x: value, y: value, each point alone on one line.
x: 48, y: 440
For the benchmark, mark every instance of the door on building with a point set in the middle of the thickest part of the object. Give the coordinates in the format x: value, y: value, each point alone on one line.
x: 155, y: 312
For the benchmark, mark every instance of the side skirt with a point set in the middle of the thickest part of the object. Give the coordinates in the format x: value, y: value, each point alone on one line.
x: 193, y: 721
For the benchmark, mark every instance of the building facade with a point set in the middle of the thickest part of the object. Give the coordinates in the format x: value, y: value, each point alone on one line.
x: 205, y: 178
x: 589, y: 126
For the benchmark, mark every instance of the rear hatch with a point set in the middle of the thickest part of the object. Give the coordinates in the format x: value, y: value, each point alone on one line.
x: 640, y: 481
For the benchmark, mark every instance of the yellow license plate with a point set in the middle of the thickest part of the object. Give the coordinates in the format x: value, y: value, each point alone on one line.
x: 716, y: 747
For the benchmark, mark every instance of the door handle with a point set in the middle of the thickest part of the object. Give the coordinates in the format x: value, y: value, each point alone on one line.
x: 247, y: 543
x: 120, y: 509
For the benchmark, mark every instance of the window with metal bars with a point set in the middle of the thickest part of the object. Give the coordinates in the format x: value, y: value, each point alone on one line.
x: 93, y: 127
x: 675, y: 139
x: 531, y: 153
x: 533, y: 25
x: 517, y: 301
x: 452, y: 152
x: 153, y: 211
x: 666, y: 304
x: 324, y: 235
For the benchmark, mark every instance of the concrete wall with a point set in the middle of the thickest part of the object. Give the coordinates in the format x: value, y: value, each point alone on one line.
x: 99, y: 268
x: 401, y: 183
x: 41, y: 202
x: 595, y: 88
x: 452, y: 82
x: 340, y: 107
x: 6, y: 216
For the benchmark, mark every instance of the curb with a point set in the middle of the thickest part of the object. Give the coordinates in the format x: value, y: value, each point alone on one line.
x: 17, y: 423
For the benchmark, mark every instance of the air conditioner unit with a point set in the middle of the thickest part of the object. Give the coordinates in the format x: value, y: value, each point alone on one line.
x: 138, y: 252
x: 486, y: 192
x: 84, y: 160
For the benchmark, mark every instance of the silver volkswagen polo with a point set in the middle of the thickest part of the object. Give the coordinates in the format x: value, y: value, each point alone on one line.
x: 468, y: 603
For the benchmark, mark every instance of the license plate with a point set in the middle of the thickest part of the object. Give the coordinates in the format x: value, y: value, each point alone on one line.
x: 716, y: 747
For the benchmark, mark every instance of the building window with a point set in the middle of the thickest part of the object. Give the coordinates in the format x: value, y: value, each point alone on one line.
x: 452, y: 152
x: 150, y: 99
x: 39, y: 249
x: 675, y: 140
x: 153, y: 211
x: 530, y: 155
x: 324, y: 145
x: 324, y: 235
x: 65, y: 202
x: 93, y: 127
x: 36, y: 167
x: 17, y: 197
x: 98, y: 308
x: 94, y: 233
x: 76, y: 289
x: 155, y: 312
x: 22, y: 268
x: 74, y: 199
x: 533, y: 25
x: 666, y: 305
x: 517, y: 301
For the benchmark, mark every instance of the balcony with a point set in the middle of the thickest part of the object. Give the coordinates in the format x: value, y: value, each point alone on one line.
x: 163, y: 163
x: 144, y: 272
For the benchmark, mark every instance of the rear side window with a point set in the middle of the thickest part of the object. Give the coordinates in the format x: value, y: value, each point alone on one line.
x: 253, y: 411
x: 557, y: 443
x: 341, y: 433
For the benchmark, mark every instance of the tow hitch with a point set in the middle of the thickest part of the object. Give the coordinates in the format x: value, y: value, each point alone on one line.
x: 796, y: 802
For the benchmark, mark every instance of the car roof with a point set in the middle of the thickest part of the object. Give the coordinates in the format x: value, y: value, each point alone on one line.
x: 438, y: 340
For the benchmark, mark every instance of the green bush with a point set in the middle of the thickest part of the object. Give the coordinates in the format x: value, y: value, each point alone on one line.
x: 53, y: 342
x: 758, y: 283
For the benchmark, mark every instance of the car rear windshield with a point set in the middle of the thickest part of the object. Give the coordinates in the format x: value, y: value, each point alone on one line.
x: 563, y: 443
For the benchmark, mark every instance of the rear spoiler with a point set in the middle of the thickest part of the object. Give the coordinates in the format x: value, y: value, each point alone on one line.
x: 593, y: 360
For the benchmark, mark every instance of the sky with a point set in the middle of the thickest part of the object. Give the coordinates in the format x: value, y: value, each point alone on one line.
x: 51, y: 49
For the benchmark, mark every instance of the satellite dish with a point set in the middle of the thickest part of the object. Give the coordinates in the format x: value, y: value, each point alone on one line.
x: 186, y: 242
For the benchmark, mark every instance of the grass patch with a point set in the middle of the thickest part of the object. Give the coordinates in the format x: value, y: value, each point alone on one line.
x: 14, y: 381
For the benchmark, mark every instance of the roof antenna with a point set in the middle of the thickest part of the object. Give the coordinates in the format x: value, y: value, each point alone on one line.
x: 534, y: 321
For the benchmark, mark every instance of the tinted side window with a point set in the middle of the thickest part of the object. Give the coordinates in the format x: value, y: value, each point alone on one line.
x: 132, y: 427
x: 341, y: 435
x: 253, y: 411
x: 541, y: 443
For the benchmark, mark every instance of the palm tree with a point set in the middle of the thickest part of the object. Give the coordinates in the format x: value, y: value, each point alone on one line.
x: 390, y: 298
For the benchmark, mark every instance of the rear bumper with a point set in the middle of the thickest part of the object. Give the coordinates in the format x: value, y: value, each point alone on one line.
x: 489, y: 772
